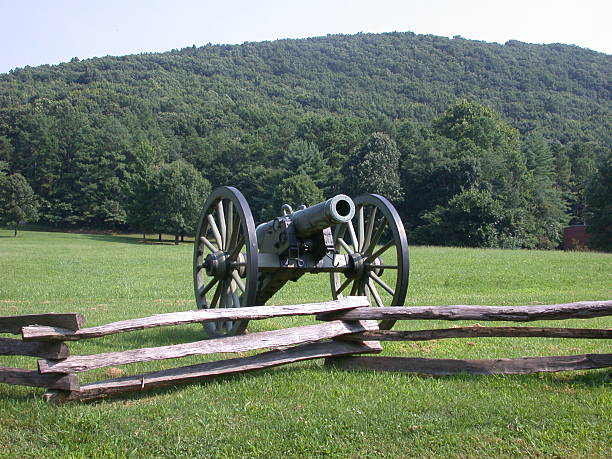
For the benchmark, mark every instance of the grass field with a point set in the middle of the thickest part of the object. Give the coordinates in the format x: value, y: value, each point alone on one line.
x: 306, y: 410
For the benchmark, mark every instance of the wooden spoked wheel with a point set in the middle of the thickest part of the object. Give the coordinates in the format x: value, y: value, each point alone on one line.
x: 376, y: 244
x: 225, y: 258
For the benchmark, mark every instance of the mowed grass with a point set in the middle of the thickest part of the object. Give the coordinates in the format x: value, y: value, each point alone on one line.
x: 306, y: 410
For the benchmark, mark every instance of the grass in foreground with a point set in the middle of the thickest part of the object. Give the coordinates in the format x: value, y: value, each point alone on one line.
x: 305, y: 409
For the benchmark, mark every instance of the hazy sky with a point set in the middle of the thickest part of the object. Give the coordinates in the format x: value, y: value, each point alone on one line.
x: 34, y: 32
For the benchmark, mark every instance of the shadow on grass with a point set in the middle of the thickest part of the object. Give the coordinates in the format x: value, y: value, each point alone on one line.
x: 598, y: 377
x: 539, y: 381
x: 132, y: 240
x: 101, y: 235
x: 171, y: 388
x: 592, y: 378
x: 114, y: 238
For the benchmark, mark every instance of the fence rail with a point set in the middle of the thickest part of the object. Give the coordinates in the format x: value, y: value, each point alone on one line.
x: 14, y: 324
x: 233, y: 344
x: 442, y: 367
x: 210, y: 369
x: 348, y: 328
x: 55, y: 333
x: 9, y: 346
x: 478, y: 331
x: 578, y: 310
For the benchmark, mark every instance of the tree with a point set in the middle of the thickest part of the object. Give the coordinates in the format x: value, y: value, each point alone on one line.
x: 430, y: 176
x: 472, y: 218
x: 177, y: 193
x: 304, y: 158
x: 18, y: 203
x: 138, y: 188
x: 6, y: 150
x: 477, y: 123
x: 599, y: 207
x: 140, y: 206
x: 545, y: 201
x: 295, y: 191
x: 374, y: 168
x: 336, y: 137
x: 493, y: 146
x: 576, y: 165
x: 259, y: 184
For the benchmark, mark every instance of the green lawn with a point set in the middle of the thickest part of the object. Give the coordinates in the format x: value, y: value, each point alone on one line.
x: 306, y: 409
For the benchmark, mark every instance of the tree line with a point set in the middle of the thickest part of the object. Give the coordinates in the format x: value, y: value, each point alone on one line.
x: 476, y: 144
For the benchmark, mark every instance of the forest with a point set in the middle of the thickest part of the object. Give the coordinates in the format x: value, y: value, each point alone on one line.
x: 477, y: 144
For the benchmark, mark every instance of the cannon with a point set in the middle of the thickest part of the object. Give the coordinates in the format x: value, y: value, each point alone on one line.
x: 361, y: 243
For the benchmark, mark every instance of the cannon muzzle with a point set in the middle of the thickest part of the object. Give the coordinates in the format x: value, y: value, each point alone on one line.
x: 339, y: 209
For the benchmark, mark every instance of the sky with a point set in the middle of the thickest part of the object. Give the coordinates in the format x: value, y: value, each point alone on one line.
x: 35, y: 32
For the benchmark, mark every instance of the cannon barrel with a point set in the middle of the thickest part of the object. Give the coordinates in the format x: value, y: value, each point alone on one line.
x: 339, y: 209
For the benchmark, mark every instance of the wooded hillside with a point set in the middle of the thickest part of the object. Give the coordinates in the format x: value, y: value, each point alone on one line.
x: 104, y: 141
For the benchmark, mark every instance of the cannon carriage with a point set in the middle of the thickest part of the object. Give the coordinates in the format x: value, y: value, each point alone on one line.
x: 360, y: 243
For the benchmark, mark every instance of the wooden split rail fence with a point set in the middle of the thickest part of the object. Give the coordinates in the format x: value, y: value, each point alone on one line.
x: 348, y: 328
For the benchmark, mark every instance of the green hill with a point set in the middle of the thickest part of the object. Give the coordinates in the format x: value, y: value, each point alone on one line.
x: 79, y: 131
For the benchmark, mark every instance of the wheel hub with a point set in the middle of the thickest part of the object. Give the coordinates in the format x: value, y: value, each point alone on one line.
x: 217, y: 265
x: 357, y: 265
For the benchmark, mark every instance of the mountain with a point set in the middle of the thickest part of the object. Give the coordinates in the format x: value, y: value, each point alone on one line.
x: 564, y: 89
x: 232, y: 110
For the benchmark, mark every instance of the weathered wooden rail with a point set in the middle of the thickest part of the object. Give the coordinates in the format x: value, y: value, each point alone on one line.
x: 45, y: 336
x: 348, y: 328
x: 523, y: 365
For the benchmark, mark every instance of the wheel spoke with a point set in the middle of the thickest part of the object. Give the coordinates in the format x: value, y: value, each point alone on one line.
x: 215, y: 298
x: 382, y: 250
x: 238, y: 281
x: 205, y: 289
x: 229, y: 303
x: 373, y: 266
x: 235, y: 299
x: 374, y: 293
x: 368, y: 234
x: 354, y: 288
x: 339, y: 231
x: 215, y: 230
x: 230, y: 224
x: 351, y: 229
x: 226, y: 298
x: 236, y: 249
x: 361, y: 230
x: 234, y: 236
x: 379, y: 232
x: 242, y: 300
x: 222, y: 224
x: 345, y: 246
x: 382, y: 283
x: 343, y: 286
x: 208, y: 244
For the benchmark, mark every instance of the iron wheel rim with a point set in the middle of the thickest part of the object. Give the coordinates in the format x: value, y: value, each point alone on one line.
x: 225, y: 258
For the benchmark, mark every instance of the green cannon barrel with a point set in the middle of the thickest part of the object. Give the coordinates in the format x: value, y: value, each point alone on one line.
x: 339, y: 209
